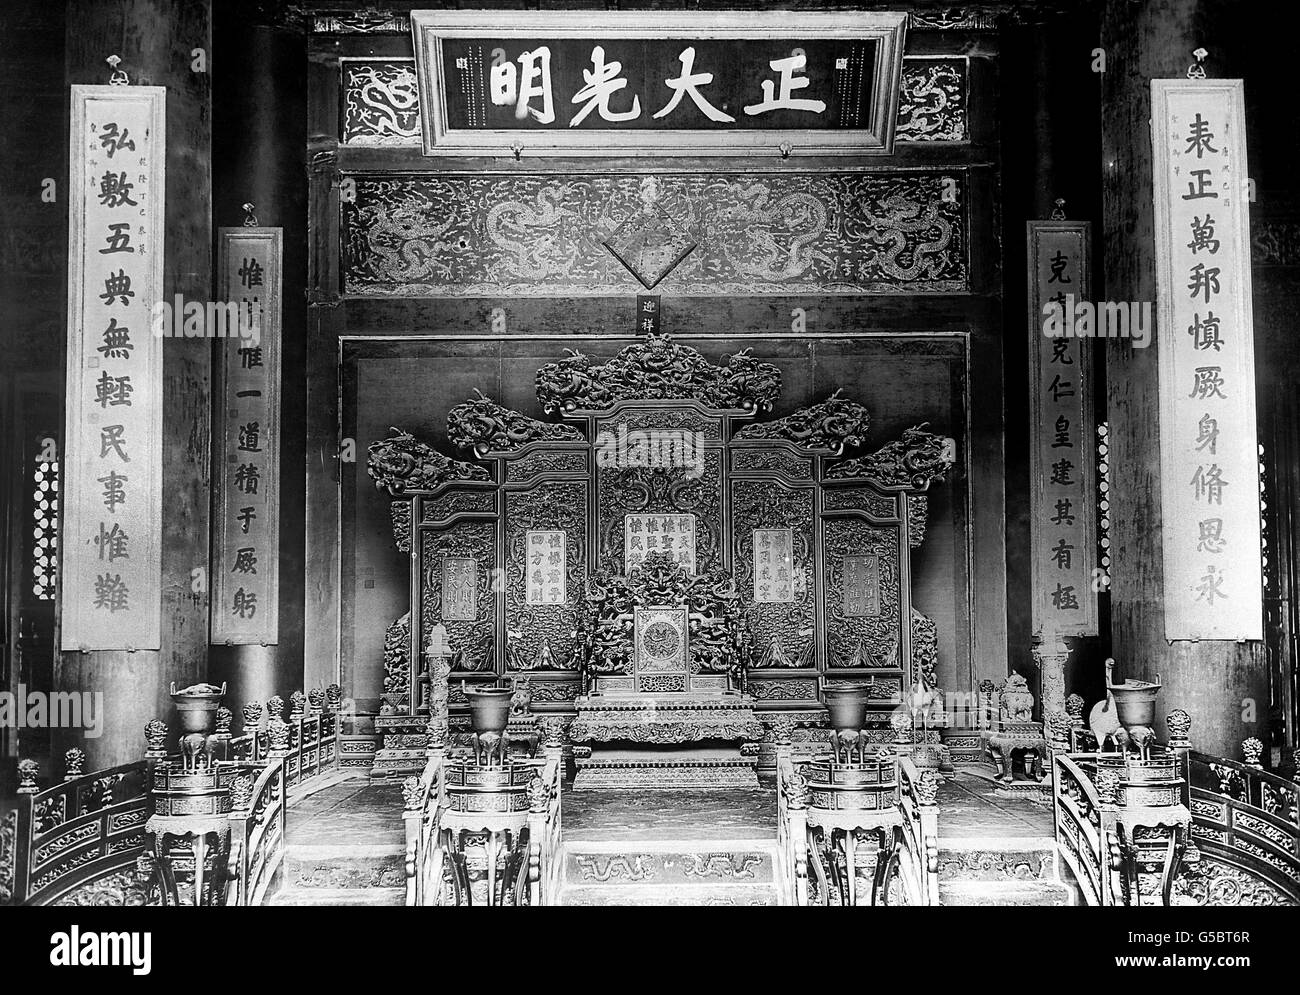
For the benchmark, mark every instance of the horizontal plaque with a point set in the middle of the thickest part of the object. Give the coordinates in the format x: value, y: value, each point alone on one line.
x: 670, y: 83
x: 646, y: 534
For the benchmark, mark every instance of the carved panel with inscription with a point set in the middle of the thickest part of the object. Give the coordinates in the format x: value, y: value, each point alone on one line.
x: 782, y: 632
x: 472, y: 639
x: 855, y: 638
x: 544, y: 578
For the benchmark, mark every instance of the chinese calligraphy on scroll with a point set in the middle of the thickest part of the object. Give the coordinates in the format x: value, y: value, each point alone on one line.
x: 1209, y: 460
x: 112, y: 563
x: 246, y: 526
x: 1063, y: 491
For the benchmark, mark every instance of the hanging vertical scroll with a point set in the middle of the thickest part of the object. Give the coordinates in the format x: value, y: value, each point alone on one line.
x: 246, y: 480
x: 112, y: 488
x: 1063, y: 493
x: 1209, y: 471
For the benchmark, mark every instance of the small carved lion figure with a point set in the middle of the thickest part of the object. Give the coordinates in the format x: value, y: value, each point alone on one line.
x: 1016, y: 701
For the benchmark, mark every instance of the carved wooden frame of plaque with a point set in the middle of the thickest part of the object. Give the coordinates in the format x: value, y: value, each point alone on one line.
x: 886, y: 28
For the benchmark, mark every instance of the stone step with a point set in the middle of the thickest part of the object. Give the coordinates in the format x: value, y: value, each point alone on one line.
x: 669, y: 864
x: 344, y: 866
x: 332, y: 897
x: 1005, y: 893
x: 672, y: 895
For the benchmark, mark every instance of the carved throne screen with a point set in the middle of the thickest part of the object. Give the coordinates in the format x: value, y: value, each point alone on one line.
x: 789, y: 552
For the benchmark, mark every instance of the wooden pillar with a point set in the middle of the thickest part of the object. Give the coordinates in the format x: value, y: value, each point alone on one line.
x: 1222, y: 684
x: 259, y: 79
x: 159, y: 42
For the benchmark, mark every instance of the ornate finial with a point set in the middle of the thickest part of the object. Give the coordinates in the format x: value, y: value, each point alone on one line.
x: 250, y: 219
x: 538, y: 795
x: 1058, y: 212
x: 316, y: 699
x: 28, y: 771
x: 1252, y: 750
x: 297, y: 705
x: 334, y: 697
x: 1074, y: 706
x: 412, y: 795
x: 1197, y: 69
x: 275, y: 707
x: 223, y: 719
x: 1179, y: 724
x: 119, y: 76
x: 241, y: 793
x: 252, y: 713
x: 155, y: 738
x: 74, y: 763
x: 277, y: 732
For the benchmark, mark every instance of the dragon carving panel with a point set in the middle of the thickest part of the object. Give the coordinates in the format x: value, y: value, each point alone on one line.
x: 757, y: 233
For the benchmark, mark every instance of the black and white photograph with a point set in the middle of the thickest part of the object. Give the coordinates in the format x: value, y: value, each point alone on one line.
x: 650, y: 454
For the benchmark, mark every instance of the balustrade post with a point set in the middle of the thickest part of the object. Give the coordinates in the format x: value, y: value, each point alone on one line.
x: 1179, y: 724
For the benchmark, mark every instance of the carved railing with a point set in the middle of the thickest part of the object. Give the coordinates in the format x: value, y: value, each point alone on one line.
x: 791, y: 829
x: 1244, y: 820
x: 86, y: 833
x: 918, y: 863
x: 427, y: 882
x: 1081, y: 829
x: 85, y: 828
x: 257, y: 828
x: 431, y: 877
x: 545, y: 825
x: 918, y: 850
x: 307, y: 742
x: 1247, y: 818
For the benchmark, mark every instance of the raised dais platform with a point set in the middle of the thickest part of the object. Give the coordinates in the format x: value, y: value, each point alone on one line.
x: 673, y: 741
